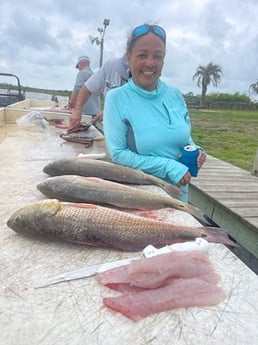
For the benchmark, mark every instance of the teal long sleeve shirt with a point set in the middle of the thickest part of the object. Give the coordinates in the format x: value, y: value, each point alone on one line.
x: 158, y: 124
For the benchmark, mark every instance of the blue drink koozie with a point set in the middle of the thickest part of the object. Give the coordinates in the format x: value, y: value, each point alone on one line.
x: 189, y: 158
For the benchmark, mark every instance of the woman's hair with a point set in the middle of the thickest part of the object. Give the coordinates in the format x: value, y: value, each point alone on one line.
x: 142, y: 30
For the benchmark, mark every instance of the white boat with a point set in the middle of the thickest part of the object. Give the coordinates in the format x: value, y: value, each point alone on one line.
x: 49, y: 109
x: 71, y: 312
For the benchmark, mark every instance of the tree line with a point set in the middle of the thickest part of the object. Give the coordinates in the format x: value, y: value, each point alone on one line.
x: 212, y: 74
x: 204, y: 75
x: 34, y: 89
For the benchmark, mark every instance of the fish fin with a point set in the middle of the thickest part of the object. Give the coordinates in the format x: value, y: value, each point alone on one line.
x: 196, y: 213
x: 99, y: 180
x: 172, y: 190
x: 92, y: 179
x: 218, y: 235
x: 79, y: 205
x: 85, y: 243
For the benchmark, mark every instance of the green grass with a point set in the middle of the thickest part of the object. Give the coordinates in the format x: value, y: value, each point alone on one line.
x: 231, y: 136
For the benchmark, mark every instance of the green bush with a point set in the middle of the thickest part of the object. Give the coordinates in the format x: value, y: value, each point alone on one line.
x: 235, y: 101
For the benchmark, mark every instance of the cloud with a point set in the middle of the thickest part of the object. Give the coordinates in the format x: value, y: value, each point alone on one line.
x: 42, y: 39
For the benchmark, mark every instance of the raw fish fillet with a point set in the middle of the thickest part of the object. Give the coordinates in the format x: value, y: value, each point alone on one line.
x: 153, y: 272
x: 179, y: 293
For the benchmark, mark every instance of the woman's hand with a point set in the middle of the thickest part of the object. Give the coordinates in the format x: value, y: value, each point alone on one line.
x: 201, y: 159
x: 184, y: 180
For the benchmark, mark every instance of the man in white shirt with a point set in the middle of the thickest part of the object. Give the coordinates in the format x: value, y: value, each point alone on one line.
x: 113, y: 73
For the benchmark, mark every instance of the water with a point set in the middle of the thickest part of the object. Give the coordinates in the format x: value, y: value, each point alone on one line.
x: 43, y: 96
x: 46, y: 96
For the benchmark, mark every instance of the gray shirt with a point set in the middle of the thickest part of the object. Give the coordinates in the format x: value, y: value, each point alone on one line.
x: 112, y: 74
x: 92, y: 106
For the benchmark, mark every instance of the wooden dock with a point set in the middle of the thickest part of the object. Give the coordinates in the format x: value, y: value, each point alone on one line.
x: 228, y: 195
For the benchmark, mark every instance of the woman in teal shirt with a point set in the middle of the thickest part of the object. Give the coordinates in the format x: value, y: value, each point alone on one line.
x: 146, y: 122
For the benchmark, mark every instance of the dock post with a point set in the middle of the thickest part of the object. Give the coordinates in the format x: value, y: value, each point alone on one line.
x: 255, y: 166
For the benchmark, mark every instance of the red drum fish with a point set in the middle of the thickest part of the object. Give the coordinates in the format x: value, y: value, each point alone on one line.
x: 107, y: 171
x: 94, y: 225
x: 75, y: 188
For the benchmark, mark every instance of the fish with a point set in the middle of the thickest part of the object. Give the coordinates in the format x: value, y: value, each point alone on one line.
x: 156, y: 271
x: 107, y: 171
x: 99, y: 226
x: 180, y: 293
x: 75, y: 188
x: 162, y: 282
x: 78, y: 138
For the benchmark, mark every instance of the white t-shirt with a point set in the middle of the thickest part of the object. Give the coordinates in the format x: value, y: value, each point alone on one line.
x: 113, y: 73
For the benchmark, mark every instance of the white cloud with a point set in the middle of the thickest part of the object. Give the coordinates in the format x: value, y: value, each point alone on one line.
x: 42, y: 39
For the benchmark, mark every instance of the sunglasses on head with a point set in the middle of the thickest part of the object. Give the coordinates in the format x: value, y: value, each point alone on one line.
x: 145, y: 28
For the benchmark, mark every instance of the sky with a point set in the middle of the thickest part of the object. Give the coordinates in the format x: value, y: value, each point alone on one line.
x: 41, y: 40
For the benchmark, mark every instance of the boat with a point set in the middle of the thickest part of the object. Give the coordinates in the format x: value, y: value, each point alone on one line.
x: 10, y: 94
x: 11, y: 113
x: 71, y: 312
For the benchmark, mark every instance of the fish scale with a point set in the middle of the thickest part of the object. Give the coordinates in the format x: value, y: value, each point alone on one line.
x: 94, y: 225
x: 107, y: 171
x: 75, y: 188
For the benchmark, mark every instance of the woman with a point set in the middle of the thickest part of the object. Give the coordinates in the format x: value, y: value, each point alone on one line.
x: 146, y: 122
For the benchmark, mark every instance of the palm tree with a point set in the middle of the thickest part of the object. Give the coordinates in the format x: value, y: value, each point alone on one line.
x: 205, y: 75
x: 254, y: 87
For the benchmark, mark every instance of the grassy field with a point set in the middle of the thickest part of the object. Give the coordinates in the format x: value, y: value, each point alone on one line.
x: 229, y: 135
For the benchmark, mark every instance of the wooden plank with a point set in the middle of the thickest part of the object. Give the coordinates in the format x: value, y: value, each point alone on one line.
x: 247, y: 188
x: 255, y: 164
x: 223, y: 176
x: 243, y: 231
x: 237, y: 228
x: 254, y: 222
x: 236, y: 203
x: 228, y: 175
x: 244, y: 212
x: 229, y: 196
x: 233, y: 195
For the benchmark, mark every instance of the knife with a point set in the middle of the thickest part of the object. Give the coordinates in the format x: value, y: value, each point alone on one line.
x: 88, y: 271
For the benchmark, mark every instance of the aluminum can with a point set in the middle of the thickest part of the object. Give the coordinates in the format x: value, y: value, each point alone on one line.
x: 189, y: 158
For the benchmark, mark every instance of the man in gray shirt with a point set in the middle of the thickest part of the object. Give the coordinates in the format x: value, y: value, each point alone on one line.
x: 91, y: 106
x: 113, y: 73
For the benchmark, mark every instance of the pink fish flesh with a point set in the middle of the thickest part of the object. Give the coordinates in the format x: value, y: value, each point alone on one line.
x: 191, y: 292
x: 153, y: 272
x: 162, y: 282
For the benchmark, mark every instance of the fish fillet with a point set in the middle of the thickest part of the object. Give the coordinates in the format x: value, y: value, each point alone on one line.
x: 153, y: 272
x: 191, y: 292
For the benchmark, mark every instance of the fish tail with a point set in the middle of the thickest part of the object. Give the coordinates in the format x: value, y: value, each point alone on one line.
x: 172, y: 190
x: 219, y: 235
x: 197, y: 214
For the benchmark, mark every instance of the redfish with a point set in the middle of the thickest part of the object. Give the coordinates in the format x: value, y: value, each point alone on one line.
x: 107, y: 171
x: 75, y: 188
x: 93, y: 225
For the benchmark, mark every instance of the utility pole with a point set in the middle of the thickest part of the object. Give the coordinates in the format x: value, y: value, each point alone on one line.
x: 100, y: 40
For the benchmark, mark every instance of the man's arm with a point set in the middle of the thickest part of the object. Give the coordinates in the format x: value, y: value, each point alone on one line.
x: 72, y: 101
x: 97, y: 118
x: 83, y: 95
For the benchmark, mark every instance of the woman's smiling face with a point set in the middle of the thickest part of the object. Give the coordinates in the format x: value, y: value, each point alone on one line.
x: 146, y: 59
